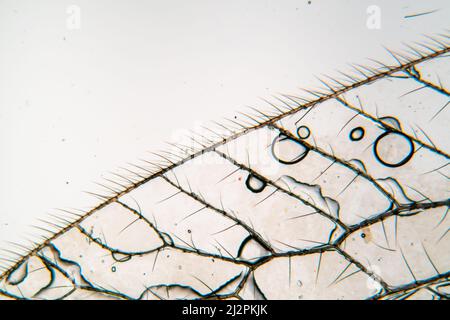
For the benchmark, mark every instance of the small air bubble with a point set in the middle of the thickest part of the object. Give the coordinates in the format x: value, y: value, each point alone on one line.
x: 303, y: 132
x: 255, y: 184
x: 357, y: 134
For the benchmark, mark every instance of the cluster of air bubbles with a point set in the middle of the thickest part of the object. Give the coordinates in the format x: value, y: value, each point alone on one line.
x: 392, y: 148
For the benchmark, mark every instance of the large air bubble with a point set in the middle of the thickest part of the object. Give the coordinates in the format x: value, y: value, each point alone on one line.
x: 393, y: 149
x: 288, y: 151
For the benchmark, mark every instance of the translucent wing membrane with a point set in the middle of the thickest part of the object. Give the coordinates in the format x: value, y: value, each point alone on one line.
x: 342, y: 195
